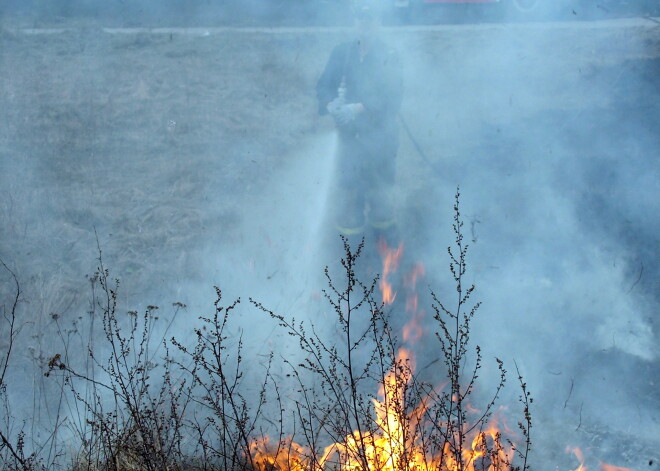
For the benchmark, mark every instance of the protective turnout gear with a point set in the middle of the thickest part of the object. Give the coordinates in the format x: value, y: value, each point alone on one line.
x: 362, y: 89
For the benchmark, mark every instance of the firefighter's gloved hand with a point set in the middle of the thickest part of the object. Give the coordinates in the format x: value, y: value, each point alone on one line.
x: 334, y: 105
x: 346, y: 114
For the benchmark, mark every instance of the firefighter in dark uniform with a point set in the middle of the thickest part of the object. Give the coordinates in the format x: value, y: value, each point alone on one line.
x: 361, y: 88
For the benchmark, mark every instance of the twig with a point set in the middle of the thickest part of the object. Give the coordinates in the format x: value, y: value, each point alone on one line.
x: 580, y: 422
x: 12, y: 323
x: 11, y: 449
x: 641, y: 271
x: 569, y: 394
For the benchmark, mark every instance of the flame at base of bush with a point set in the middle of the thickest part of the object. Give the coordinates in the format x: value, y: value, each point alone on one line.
x: 404, y: 437
x: 398, y: 445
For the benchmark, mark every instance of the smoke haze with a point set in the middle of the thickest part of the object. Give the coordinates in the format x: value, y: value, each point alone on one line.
x: 196, y: 158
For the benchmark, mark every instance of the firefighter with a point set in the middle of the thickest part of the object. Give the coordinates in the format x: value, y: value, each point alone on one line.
x: 361, y: 89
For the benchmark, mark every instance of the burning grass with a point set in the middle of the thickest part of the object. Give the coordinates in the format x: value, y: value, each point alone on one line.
x: 150, y: 401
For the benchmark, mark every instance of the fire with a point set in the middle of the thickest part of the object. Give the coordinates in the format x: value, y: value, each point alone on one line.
x: 396, y: 447
x: 579, y: 455
x: 391, y: 258
x: 388, y: 449
x: 285, y: 456
x: 398, y: 442
x: 395, y: 443
x: 609, y: 467
x: 583, y: 467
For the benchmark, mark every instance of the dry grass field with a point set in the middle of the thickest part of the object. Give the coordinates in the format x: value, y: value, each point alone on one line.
x: 196, y: 157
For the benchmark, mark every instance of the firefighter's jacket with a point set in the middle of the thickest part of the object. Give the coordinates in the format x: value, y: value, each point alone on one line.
x: 375, y: 81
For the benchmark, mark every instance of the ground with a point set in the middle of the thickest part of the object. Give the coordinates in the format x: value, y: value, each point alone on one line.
x: 194, y: 157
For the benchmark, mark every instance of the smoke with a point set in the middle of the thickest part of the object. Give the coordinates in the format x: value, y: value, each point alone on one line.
x: 197, y: 159
x: 550, y: 141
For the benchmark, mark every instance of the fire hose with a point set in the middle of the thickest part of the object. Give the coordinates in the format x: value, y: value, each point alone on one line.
x: 416, y: 145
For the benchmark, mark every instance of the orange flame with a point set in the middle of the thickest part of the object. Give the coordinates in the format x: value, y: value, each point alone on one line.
x: 284, y: 456
x: 391, y: 259
x: 609, y: 467
x: 394, y: 445
x: 579, y: 455
x: 583, y: 467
